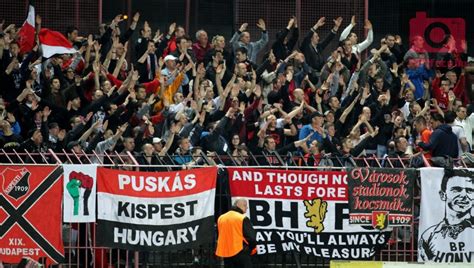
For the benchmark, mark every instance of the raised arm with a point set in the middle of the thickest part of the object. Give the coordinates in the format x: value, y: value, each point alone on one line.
x: 370, y: 37
x: 345, y: 33
x: 264, y: 38
x: 120, y: 61
x: 348, y: 110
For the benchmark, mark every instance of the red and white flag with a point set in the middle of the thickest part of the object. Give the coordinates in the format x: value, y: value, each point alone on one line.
x: 53, y: 42
x: 26, y: 34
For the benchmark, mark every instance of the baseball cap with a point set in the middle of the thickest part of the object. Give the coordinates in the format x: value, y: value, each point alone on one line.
x: 170, y: 57
x: 157, y: 140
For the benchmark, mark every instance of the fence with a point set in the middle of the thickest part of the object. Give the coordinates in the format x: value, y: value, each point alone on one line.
x: 57, y: 15
x: 79, y: 239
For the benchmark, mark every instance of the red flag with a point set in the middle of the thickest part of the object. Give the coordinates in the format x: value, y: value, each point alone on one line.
x: 28, y: 196
x: 26, y: 34
x: 53, y: 42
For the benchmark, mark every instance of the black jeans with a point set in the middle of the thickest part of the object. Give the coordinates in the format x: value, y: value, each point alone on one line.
x: 241, y: 260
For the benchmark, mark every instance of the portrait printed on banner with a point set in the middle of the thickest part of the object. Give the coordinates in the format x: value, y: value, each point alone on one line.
x: 447, y: 216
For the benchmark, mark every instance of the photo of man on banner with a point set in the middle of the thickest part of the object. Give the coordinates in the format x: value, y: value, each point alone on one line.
x: 445, y: 241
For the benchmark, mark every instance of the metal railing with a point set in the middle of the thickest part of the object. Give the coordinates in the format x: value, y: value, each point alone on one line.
x: 130, y: 159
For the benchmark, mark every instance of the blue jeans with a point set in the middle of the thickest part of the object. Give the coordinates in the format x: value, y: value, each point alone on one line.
x: 381, y: 150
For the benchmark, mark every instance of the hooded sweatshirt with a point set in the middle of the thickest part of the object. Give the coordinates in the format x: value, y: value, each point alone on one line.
x: 443, y: 142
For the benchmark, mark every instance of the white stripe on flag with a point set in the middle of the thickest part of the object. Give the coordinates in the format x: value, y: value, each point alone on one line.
x: 49, y: 51
x: 31, y: 16
x: 108, y: 208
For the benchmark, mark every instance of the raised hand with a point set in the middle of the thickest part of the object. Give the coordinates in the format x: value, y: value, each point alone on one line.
x: 219, y: 68
x: 158, y: 36
x: 161, y: 62
x: 97, y: 46
x: 11, y: 118
x: 320, y: 23
x: 151, y: 99
x: 398, y: 39
x: 175, y: 128
x: 135, y: 76
x: 201, y: 70
x: 353, y: 21
x: 376, y: 131
x: 243, y: 27
x: 291, y: 22
x: 271, y: 57
x: 394, y: 69
x: 136, y: 17
x: 88, y: 116
x: 118, y: 18
x: 337, y: 23
x: 366, y: 93
x: 261, y: 25
x: 172, y: 28
x: 90, y: 40
x: 122, y: 128
x: 368, y: 25
x: 96, y: 124
x: 46, y: 112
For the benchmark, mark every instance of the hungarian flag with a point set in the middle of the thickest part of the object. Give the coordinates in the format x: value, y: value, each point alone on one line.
x: 53, y: 42
x: 27, y: 32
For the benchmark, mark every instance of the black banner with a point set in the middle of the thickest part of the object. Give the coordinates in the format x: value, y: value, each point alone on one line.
x: 155, y: 238
x: 360, y: 246
x: 381, y: 197
x: 304, y: 211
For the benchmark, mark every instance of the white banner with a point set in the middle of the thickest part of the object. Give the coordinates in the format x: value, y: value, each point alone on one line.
x: 79, y: 193
x: 446, y: 231
x: 155, y: 211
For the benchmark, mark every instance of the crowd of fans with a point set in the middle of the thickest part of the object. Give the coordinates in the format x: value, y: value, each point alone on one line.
x: 185, y: 102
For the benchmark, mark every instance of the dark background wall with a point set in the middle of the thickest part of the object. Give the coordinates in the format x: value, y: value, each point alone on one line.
x: 56, y: 14
x: 223, y: 16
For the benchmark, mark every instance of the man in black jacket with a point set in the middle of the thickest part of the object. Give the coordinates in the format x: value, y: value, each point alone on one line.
x: 283, y: 45
x: 443, y: 142
x: 312, y: 48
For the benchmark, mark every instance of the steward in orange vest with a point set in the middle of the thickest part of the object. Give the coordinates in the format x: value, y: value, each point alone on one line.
x: 237, y: 238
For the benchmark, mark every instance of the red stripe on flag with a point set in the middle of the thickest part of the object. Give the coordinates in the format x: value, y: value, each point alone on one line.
x: 53, y: 42
x: 53, y: 38
x: 26, y: 35
x: 156, y: 184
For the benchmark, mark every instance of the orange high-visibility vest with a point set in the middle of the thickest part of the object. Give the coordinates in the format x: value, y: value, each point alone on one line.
x: 231, y: 237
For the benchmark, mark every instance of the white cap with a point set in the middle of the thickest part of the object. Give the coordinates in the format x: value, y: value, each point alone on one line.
x: 157, y: 140
x: 170, y: 57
